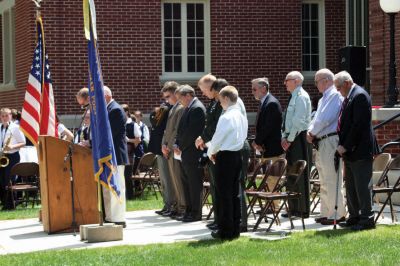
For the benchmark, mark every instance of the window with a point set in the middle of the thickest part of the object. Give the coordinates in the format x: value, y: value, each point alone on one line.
x: 313, y: 36
x: 186, y: 39
x: 7, y: 13
x: 357, y: 22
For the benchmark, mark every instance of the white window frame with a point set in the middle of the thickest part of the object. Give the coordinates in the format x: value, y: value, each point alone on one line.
x: 321, y: 39
x: 184, y: 75
x: 8, y: 46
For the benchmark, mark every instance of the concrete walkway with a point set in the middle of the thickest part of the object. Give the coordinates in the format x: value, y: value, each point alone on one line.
x: 143, y: 227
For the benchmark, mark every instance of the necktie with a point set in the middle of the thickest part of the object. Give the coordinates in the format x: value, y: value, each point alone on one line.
x: 344, y: 104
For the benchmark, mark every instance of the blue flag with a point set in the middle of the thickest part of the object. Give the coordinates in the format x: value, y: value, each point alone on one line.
x: 105, y: 165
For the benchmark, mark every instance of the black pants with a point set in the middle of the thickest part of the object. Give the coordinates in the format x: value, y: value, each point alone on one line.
x: 300, y: 149
x: 245, y: 151
x: 192, y: 181
x: 228, y: 166
x: 214, y: 197
x: 358, y: 175
x: 5, y: 177
x: 128, y: 181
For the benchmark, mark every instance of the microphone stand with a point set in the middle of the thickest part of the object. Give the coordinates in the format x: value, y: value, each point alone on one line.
x: 71, y: 172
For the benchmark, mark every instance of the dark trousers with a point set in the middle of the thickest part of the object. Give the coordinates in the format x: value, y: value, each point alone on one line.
x: 128, y: 181
x: 5, y: 178
x: 214, y: 196
x: 245, y: 152
x: 192, y: 181
x: 300, y: 149
x: 358, y: 184
x: 228, y: 166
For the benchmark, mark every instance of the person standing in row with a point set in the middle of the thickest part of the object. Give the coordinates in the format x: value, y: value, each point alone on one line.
x: 322, y: 132
x: 356, y: 147
x: 174, y: 166
x: 115, y: 208
x: 294, y: 141
x: 225, y: 151
x: 213, y: 113
x: 190, y: 127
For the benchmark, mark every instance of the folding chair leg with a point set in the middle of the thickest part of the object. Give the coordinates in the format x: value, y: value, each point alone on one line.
x: 316, y: 204
x: 381, y: 210
x: 391, y: 209
x: 275, y: 217
x: 210, y: 212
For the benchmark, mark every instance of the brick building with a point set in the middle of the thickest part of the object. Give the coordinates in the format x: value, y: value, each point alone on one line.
x: 144, y: 43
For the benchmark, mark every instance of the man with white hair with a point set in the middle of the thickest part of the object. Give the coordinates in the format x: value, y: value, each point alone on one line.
x: 115, y: 210
x: 322, y: 132
x: 356, y: 147
x: 295, y: 125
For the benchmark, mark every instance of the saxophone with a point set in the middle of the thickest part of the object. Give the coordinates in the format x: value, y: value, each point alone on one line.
x: 4, y: 161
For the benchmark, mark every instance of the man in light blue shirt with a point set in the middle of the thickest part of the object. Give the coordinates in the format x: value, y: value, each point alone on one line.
x: 296, y: 122
x: 322, y: 132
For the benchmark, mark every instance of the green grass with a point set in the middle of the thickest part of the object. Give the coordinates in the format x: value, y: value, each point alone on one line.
x: 146, y: 202
x: 341, y: 247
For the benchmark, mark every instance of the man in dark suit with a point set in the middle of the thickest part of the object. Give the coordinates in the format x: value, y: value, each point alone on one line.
x: 268, y: 121
x: 268, y: 125
x: 190, y: 127
x: 115, y: 210
x: 356, y: 142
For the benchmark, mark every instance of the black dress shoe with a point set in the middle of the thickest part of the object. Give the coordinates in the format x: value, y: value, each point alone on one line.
x: 160, y: 212
x: 168, y: 213
x: 190, y: 219
x: 211, y: 224
x: 121, y: 223
x: 216, y: 234
x: 117, y: 223
x: 349, y: 223
x: 213, y: 227
x: 360, y: 227
x: 331, y: 221
x: 285, y: 215
x: 320, y: 219
x: 243, y: 229
x: 178, y: 216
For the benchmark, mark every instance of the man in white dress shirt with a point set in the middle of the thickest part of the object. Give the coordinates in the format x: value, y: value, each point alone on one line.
x: 11, y: 140
x: 225, y: 151
x: 322, y: 132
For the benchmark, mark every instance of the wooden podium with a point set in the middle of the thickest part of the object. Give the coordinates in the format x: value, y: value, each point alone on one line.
x: 55, y: 185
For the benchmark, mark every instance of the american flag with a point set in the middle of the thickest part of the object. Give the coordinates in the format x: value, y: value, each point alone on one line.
x: 39, y: 113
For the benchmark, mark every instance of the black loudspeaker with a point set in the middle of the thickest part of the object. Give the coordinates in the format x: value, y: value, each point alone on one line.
x: 353, y: 59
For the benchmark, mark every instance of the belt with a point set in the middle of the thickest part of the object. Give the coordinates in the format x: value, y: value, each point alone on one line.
x: 326, y: 136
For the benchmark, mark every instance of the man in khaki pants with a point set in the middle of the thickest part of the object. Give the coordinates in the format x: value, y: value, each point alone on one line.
x: 174, y: 165
x: 322, y: 131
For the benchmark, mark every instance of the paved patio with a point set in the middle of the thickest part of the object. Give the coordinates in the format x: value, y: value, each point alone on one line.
x: 143, y: 227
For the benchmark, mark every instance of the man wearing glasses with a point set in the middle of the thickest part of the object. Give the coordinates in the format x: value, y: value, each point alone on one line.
x: 322, y: 132
x: 295, y: 125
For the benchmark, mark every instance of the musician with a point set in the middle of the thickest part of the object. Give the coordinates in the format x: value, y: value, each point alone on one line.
x: 11, y: 140
x: 82, y: 136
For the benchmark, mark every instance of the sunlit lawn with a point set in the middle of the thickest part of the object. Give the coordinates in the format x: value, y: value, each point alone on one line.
x: 340, y: 247
x: 146, y: 202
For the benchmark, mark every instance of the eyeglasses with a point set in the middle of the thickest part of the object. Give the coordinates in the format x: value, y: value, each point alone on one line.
x: 286, y: 80
x: 318, y: 80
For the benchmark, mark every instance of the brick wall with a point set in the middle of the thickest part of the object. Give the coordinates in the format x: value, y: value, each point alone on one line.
x: 249, y: 39
x: 387, y: 133
x: 379, y: 51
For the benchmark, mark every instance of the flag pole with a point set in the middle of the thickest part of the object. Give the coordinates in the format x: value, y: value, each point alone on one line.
x: 89, y: 27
